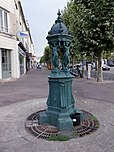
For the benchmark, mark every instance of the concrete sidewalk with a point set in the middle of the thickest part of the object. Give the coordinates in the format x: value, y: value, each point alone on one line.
x: 13, y: 136
x: 30, y: 86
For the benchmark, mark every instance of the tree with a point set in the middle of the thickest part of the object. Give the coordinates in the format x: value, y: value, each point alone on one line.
x: 99, y: 24
x: 73, y: 18
x: 47, y: 57
x: 42, y: 59
x: 93, y: 27
x: 68, y: 18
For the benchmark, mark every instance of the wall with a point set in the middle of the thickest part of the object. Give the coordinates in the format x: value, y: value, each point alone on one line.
x: 8, y: 5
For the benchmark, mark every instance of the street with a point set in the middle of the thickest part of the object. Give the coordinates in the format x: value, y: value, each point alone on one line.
x: 109, y: 75
x: 19, y: 99
x: 90, y: 88
x: 35, y: 85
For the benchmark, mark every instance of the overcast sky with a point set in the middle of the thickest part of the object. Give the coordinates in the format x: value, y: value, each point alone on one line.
x: 41, y: 14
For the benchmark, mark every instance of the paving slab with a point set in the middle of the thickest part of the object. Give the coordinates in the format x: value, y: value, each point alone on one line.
x: 14, y: 137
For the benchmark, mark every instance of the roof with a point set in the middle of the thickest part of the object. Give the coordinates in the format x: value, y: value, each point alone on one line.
x: 58, y: 27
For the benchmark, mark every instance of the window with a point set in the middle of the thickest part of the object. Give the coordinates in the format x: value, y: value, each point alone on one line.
x: 6, y: 63
x: 3, y: 20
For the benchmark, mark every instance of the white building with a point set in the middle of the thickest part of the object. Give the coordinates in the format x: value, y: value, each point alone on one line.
x: 16, y: 49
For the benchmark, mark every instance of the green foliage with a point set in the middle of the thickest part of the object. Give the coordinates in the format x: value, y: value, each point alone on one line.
x: 108, y: 55
x: 93, y: 118
x: 42, y: 60
x: 47, y: 57
x: 74, y: 133
x: 68, y: 15
x: 59, y: 138
x: 98, y: 24
x: 92, y: 24
x: 68, y: 19
x: 47, y: 53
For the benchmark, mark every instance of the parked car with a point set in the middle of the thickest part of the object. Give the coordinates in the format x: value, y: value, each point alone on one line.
x: 110, y: 63
x: 105, y: 67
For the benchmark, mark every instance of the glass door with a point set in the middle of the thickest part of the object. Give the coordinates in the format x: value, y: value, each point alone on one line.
x: 6, y: 63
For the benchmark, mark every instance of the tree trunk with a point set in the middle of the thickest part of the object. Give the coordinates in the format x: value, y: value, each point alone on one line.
x: 82, y: 58
x: 72, y: 60
x: 100, y: 73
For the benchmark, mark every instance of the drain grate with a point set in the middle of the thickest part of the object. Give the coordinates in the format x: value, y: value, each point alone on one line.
x: 87, y: 126
x: 41, y: 131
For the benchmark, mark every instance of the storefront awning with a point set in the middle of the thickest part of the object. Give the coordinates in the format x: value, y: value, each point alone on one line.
x: 22, y: 46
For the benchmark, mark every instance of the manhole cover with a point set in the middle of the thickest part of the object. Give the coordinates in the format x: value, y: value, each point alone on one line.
x: 87, y: 126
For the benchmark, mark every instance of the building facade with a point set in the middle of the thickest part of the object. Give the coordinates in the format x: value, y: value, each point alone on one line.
x: 16, y: 45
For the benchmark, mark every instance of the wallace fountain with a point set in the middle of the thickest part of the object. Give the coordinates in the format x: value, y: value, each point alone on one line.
x: 61, y: 114
x: 60, y: 103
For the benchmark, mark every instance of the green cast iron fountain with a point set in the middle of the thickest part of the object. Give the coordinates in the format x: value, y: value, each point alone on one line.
x: 60, y: 102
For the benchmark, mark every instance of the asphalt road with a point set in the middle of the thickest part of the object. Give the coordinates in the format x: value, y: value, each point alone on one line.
x: 93, y: 90
x: 35, y: 85
x: 109, y: 75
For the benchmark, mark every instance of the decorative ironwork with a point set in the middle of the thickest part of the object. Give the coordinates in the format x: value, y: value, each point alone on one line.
x: 89, y: 125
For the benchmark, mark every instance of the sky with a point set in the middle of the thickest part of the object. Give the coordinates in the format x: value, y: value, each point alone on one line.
x: 41, y: 15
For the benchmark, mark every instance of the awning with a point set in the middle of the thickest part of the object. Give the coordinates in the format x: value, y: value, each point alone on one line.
x: 22, y: 46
